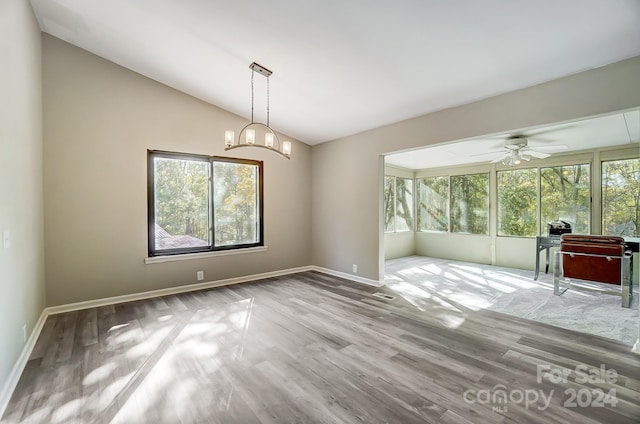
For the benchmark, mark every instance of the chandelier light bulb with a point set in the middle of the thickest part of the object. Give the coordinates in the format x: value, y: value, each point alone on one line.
x: 229, y: 136
x: 250, y: 135
x: 286, y: 148
x: 268, y: 140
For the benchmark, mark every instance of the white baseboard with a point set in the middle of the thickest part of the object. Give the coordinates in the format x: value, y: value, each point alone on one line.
x: 636, y: 347
x: 16, y: 372
x: 10, y: 385
x: 169, y: 291
x: 351, y: 277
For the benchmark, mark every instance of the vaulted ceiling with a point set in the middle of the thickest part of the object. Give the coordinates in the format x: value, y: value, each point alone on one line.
x: 342, y: 67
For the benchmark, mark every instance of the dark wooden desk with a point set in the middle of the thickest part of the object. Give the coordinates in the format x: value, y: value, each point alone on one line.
x: 547, y: 242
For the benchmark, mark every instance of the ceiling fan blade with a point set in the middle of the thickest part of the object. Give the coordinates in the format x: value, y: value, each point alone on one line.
x: 495, y: 152
x: 551, y: 148
x: 538, y: 155
x: 551, y: 130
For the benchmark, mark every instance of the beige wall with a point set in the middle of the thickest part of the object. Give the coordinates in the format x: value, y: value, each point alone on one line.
x: 347, y: 173
x: 22, y: 265
x: 99, y: 121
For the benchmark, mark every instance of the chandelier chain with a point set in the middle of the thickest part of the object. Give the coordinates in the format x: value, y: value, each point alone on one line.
x: 267, y: 101
x: 252, y: 100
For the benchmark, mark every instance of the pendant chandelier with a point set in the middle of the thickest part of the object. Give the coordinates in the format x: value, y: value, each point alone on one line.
x: 247, y: 136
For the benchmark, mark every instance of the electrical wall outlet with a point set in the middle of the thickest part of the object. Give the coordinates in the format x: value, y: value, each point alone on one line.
x: 200, y: 275
x: 355, y: 268
x: 6, y: 239
x: 24, y: 333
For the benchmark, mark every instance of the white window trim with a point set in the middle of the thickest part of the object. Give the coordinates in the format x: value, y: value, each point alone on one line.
x: 201, y: 255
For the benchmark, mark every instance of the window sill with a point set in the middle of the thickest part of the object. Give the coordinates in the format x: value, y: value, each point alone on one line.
x: 202, y: 255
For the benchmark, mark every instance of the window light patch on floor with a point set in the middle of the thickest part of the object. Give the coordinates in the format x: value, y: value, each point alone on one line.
x: 451, y: 317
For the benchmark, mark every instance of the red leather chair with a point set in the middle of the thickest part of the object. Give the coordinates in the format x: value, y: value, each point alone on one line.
x: 594, y: 258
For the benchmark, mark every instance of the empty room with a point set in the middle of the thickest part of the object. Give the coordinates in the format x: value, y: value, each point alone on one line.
x: 333, y: 212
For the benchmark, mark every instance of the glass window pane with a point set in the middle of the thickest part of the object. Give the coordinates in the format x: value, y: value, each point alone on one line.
x: 517, y: 202
x: 621, y: 197
x: 181, y: 203
x: 565, y: 196
x: 433, y: 204
x: 404, y: 204
x: 389, y: 204
x: 470, y: 204
x: 235, y: 203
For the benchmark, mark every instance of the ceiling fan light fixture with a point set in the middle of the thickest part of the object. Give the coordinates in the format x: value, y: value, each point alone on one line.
x: 515, y: 157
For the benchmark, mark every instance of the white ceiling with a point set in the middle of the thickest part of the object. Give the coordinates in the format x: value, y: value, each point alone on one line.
x: 341, y: 67
x: 612, y: 130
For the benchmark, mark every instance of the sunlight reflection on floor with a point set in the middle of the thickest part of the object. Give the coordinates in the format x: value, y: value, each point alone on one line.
x: 459, y: 285
x: 195, y: 346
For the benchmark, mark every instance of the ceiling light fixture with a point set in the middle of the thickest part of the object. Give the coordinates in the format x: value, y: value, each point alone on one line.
x: 511, y: 160
x: 271, y: 140
x: 515, y: 154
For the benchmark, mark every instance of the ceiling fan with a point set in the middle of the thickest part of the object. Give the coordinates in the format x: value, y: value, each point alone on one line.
x: 516, y: 149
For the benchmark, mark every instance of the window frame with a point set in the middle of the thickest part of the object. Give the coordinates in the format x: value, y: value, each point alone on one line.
x: 419, y: 228
x: 604, y: 161
x: 538, y: 205
x: 542, y: 224
x: 488, y: 204
x: 412, y: 207
x: 211, y: 160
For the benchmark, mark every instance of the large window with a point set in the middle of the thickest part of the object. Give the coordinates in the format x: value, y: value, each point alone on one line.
x: 459, y: 203
x: 398, y: 204
x: 565, y: 196
x: 433, y: 203
x: 528, y: 199
x: 621, y: 197
x: 518, y: 202
x: 202, y: 203
x: 470, y: 204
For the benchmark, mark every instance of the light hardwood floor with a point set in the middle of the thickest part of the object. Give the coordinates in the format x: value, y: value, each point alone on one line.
x: 310, y: 348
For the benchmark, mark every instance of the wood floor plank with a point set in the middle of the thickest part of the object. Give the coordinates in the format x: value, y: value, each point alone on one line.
x: 311, y: 348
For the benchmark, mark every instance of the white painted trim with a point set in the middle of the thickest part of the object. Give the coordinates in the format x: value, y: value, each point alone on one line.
x: 202, y: 255
x: 169, y: 291
x: 351, y: 277
x: 6, y: 391
x: 201, y: 286
x: 636, y: 347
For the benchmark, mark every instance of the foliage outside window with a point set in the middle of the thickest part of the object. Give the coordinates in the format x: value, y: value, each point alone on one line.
x: 433, y: 203
x: 202, y: 203
x: 470, y: 204
x: 389, y: 204
x: 565, y: 195
x: 398, y: 204
x: 621, y: 197
x: 517, y: 202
